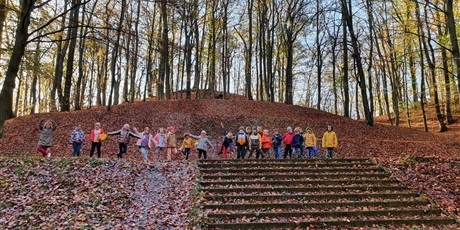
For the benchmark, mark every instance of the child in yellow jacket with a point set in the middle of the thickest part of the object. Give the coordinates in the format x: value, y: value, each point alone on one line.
x: 187, y: 145
x: 330, y: 142
x: 310, y: 142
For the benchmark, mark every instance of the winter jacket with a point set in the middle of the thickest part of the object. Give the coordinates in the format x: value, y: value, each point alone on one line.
x: 92, y: 135
x: 227, y: 142
x: 287, y: 138
x: 330, y: 140
x: 151, y: 143
x: 46, y: 136
x: 187, y: 143
x: 266, y: 142
x: 160, y: 140
x: 297, y: 141
x: 171, y: 141
x: 310, y: 140
x: 77, y: 136
x: 255, y: 141
x: 277, y: 139
x: 203, y: 142
x: 241, y: 136
x: 122, y: 132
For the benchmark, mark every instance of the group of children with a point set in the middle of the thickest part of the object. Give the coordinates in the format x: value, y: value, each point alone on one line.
x: 255, y: 139
x: 247, y: 140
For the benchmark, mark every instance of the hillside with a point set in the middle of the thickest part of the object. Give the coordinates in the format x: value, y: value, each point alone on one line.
x: 428, y: 162
x: 356, y: 139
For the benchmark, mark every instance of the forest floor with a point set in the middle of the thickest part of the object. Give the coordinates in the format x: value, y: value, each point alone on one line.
x: 87, y: 192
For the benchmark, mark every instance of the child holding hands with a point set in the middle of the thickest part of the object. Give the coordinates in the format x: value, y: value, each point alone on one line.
x: 203, y: 143
x: 187, y: 145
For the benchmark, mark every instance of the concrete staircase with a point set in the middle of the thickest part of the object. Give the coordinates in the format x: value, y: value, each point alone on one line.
x: 317, y: 193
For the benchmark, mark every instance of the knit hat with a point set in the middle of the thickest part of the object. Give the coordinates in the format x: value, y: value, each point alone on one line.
x: 309, y: 128
x: 186, y: 134
x: 241, y: 127
x: 203, y: 132
x: 170, y: 128
x: 254, y: 127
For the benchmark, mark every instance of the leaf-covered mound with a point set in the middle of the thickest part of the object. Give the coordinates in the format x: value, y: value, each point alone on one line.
x: 397, y: 147
x: 69, y: 193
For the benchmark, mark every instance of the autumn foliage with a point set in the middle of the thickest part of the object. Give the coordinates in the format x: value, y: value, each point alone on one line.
x: 429, y: 163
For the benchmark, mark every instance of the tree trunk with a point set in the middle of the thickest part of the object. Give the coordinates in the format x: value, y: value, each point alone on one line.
x: 361, y: 76
x: 346, y: 90
x: 431, y: 60
x: 35, y: 74
x: 451, y: 25
x: 115, y: 51
x: 73, y: 31
x: 22, y: 34
x: 445, y: 69
x: 248, y: 56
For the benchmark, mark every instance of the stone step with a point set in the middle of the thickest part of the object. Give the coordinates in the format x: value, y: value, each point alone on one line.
x: 302, y: 189
x: 287, y: 165
x: 350, y: 196
x: 305, y: 205
x: 295, y: 176
x: 211, y: 183
x: 325, y: 224
x: 330, y: 214
x: 238, y: 161
x: 291, y: 170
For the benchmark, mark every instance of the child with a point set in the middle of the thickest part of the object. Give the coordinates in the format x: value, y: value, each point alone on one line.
x: 297, y: 143
x: 77, y: 139
x: 46, y: 137
x: 95, y: 139
x: 310, y: 142
x: 187, y: 145
x: 145, y: 143
x: 277, y: 139
x: 124, y: 136
x: 241, y: 142
x: 228, y: 139
x: 287, y: 139
x: 171, y: 143
x: 203, y: 143
x: 266, y: 142
x: 230, y: 147
x: 329, y: 142
x: 160, y: 142
x: 255, y: 142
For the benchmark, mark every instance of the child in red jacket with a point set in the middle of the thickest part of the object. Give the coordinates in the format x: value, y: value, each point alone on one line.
x: 287, y: 139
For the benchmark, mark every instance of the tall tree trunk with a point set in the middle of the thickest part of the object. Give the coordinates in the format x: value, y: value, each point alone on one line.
x: 248, y: 55
x: 164, y: 52
x: 361, y: 76
x: 73, y: 31
x: 22, y: 34
x: 115, y: 51
x: 346, y: 92
x: 35, y: 73
x: 136, y: 53
x: 445, y: 69
x: 422, y: 71
x: 451, y: 25
x: 59, y: 66
x: 431, y: 60
x: 81, y: 49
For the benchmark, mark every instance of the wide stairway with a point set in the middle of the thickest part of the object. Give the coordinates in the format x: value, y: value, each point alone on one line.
x: 317, y: 193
